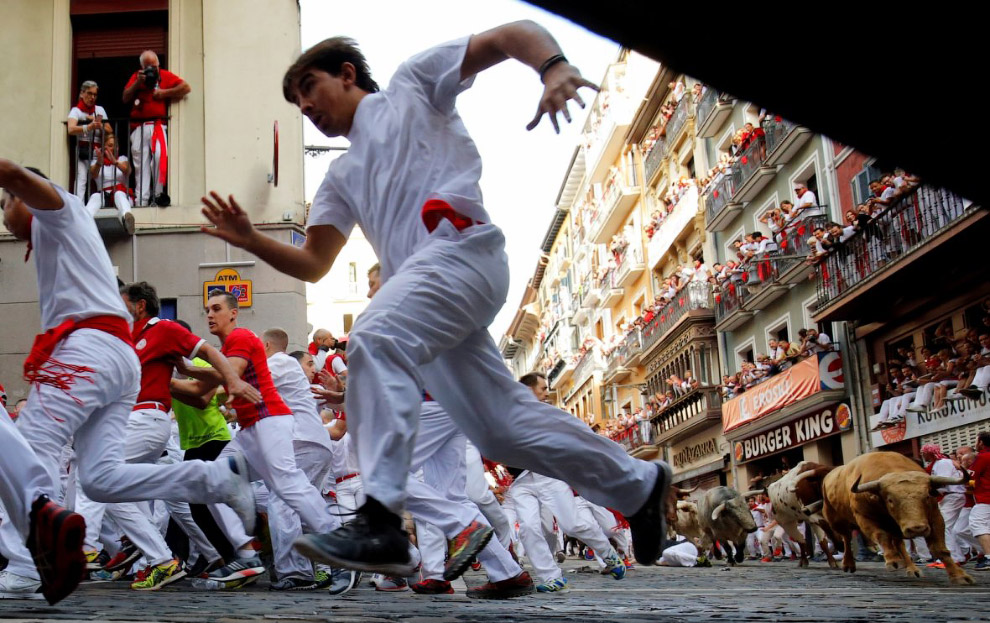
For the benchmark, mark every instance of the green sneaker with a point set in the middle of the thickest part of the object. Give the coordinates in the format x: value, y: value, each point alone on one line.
x: 553, y: 586
x: 159, y: 576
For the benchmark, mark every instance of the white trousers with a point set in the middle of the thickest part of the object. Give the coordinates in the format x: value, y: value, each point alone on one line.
x: 964, y: 534
x: 531, y: 491
x: 267, y: 446
x: 120, y: 200
x: 23, y: 479
x: 284, y: 524
x: 478, y: 492
x: 83, y: 177
x: 681, y: 555
x: 147, y: 434
x: 951, y: 506
x: 179, y: 511
x: 146, y: 163
x: 606, y: 521
x: 427, y: 327
x: 94, y: 412
x: 439, y: 499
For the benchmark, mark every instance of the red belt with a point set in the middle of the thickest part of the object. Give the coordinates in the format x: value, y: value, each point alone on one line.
x: 435, y: 210
x: 150, y: 404
x: 347, y: 477
x: 41, y: 369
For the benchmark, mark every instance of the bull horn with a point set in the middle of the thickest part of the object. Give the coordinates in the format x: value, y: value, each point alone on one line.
x: 871, y: 487
x: 687, y: 491
x: 938, y: 481
x: 753, y: 492
x: 799, y: 478
x: 718, y: 511
x: 813, y: 508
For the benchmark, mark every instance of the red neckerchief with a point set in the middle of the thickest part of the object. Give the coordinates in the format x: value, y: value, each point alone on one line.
x: 81, y: 105
x: 882, y: 188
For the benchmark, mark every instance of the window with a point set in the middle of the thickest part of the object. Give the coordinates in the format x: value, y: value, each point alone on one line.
x: 861, y: 183
x: 352, y: 278
x: 744, y: 352
x: 779, y: 330
x: 169, y: 309
x: 348, y: 322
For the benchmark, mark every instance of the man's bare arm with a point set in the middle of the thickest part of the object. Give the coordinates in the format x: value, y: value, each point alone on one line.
x: 131, y: 92
x: 532, y: 45
x: 34, y: 190
x: 173, y: 93
x: 231, y: 378
x: 310, y: 262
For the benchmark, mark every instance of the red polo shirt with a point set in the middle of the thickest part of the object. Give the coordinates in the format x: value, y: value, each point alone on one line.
x: 246, y: 345
x: 157, y: 342
x: 144, y: 104
x: 981, y: 474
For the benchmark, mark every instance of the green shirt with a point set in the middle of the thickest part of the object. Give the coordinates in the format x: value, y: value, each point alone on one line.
x: 198, y: 426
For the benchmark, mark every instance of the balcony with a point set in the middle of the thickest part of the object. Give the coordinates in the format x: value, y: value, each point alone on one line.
x: 721, y: 207
x: 625, y: 357
x: 713, y: 109
x: 672, y: 225
x: 694, y: 300
x: 678, y: 122
x: 562, y: 370
x: 636, y: 438
x: 608, y: 292
x: 631, y: 266
x: 589, y: 293
x: 610, y: 117
x: 730, y: 306
x: 917, y: 224
x: 588, y: 366
x: 690, y: 413
x: 652, y: 161
x: 754, y: 173
x: 794, y: 243
x: 762, y: 280
x: 613, y: 209
x: 784, y: 139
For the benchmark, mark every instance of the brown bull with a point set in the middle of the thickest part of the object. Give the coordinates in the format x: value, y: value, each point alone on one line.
x: 890, y: 498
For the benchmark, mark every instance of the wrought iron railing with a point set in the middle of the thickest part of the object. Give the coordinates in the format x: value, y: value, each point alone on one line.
x: 683, y: 111
x: 695, y: 295
x: 752, y: 158
x: 910, y: 222
x: 686, y: 407
x: 731, y: 297
x: 776, y: 128
x: 719, y: 194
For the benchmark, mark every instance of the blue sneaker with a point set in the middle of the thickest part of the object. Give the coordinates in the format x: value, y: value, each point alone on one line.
x: 553, y: 586
x: 614, y: 566
x: 983, y: 565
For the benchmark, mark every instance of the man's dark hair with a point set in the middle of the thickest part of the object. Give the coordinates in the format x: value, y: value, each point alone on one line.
x: 329, y: 55
x: 298, y: 354
x: 984, y: 438
x: 227, y: 296
x: 143, y: 291
x: 183, y: 324
x: 530, y: 378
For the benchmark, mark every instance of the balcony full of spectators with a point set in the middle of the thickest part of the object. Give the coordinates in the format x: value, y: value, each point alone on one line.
x: 619, y: 193
x: 608, y: 120
x: 627, y: 249
x: 688, y: 413
x: 714, y: 107
x: 608, y: 290
x: 590, y: 361
x: 678, y: 209
x: 684, y: 111
x: 902, y: 221
x: 622, y: 353
x: 682, y: 296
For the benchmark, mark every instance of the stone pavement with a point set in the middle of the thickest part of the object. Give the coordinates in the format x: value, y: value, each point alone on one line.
x: 751, y: 592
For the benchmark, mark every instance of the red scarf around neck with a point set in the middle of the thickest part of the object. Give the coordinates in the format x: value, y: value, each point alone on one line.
x: 81, y: 105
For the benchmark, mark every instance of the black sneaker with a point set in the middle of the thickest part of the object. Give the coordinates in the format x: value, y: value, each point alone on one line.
x: 294, y: 584
x: 374, y: 541
x: 649, y: 524
x: 238, y: 570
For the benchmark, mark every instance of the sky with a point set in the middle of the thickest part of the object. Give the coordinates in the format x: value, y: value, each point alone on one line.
x: 522, y: 171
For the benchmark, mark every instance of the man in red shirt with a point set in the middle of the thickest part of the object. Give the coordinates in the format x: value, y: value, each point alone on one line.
x: 158, y: 344
x: 149, y: 91
x: 265, y: 436
x: 979, y: 517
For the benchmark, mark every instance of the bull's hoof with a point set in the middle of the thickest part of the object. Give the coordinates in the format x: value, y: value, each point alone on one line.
x: 961, y: 579
x: 893, y: 565
x: 803, y: 562
x: 914, y: 573
x: 833, y: 564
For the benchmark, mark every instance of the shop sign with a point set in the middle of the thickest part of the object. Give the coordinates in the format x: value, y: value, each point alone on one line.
x: 955, y: 413
x: 695, y: 452
x: 797, y: 432
x: 803, y: 379
x: 229, y: 280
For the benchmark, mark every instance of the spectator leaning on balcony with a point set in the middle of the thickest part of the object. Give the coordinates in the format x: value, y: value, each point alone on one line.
x: 87, y: 122
x: 149, y: 91
x: 807, y: 202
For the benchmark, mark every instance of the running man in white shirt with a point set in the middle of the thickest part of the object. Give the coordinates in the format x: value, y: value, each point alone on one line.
x: 83, y: 370
x: 411, y: 180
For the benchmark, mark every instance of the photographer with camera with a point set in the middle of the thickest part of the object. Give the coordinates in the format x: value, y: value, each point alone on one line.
x: 149, y: 91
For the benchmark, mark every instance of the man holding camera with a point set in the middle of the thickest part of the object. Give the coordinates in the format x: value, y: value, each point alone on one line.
x: 148, y: 91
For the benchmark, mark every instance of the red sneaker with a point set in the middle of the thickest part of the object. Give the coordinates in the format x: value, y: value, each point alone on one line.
x: 475, y: 565
x: 518, y: 586
x: 432, y: 587
x: 766, y: 559
x: 463, y: 548
x: 56, y: 545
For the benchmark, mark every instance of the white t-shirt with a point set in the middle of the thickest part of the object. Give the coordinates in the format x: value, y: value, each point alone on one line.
x: 808, y: 205
x: 110, y: 175
x: 293, y: 386
x: 945, y: 467
x: 75, y: 276
x: 338, y: 366
x: 408, y: 145
x: 822, y: 343
x: 83, y: 119
x: 887, y: 194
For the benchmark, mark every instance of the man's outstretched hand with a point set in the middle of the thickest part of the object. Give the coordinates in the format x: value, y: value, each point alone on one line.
x: 562, y: 82
x: 230, y: 222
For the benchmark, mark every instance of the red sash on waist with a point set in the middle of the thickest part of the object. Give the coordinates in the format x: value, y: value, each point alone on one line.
x: 41, y: 369
x: 436, y: 209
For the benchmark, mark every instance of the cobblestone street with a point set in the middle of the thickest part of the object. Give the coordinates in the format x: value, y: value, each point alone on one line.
x: 753, y: 592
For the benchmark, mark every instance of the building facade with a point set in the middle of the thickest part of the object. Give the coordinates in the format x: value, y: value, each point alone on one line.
x: 51, y: 46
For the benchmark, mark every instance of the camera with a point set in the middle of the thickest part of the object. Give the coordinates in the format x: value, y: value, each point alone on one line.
x: 150, y: 76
